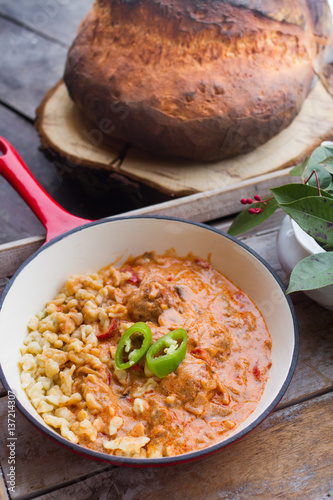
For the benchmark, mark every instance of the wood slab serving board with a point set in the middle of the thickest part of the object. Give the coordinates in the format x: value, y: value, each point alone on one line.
x: 74, y: 140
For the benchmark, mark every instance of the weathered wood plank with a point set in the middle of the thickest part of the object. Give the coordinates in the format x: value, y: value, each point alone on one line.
x: 32, y: 65
x: 58, y: 19
x: 314, y: 370
x: 12, y: 255
x: 217, y: 203
x: 285, y: 457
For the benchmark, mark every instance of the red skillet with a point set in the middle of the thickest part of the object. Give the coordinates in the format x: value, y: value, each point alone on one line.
x: 53, y: 217
x: 87, y: 247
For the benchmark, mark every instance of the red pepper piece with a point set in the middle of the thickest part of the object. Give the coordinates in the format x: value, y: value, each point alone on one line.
x: 257, y: 373
x: 137, y: 368
x: 134, y: 278
x: 106, y: 335
x: 200, y: 353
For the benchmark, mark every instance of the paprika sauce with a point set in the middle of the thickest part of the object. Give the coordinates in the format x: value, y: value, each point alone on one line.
x: 133, y: 412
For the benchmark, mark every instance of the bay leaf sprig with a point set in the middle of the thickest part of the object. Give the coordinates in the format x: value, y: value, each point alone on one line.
x: 310, y: 204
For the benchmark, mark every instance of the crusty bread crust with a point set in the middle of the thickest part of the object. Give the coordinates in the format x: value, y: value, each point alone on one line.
x: 196, y: 79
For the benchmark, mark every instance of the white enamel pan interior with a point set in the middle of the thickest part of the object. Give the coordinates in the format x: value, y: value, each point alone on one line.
x: 87, y: 247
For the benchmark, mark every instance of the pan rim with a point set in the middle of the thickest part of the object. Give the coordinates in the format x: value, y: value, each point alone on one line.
x: 186, y: 457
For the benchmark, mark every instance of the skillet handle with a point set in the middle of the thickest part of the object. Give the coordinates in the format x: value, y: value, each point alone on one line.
x: 53, y: 217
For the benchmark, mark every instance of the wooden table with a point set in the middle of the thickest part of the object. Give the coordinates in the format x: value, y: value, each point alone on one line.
x: 290, y: 455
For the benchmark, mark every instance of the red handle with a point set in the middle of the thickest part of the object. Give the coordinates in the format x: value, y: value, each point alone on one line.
x: 53, y: 217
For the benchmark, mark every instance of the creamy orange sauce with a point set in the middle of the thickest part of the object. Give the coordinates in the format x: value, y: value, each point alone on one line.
x: 214, y: 389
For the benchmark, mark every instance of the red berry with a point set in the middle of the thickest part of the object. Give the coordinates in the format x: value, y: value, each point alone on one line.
x: 249, y: 201
x: 251, y: 211
x: 243, y: 201
x: 257, y: 197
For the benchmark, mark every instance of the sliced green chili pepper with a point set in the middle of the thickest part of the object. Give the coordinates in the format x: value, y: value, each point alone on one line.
x: 132, y: 346
x: 166, y: 354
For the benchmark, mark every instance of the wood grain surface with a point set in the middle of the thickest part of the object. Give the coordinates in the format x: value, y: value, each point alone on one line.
x: 47, y: 17
x: 40, y: 60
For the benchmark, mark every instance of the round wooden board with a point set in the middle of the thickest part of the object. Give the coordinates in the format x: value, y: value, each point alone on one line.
x: 66, y: 133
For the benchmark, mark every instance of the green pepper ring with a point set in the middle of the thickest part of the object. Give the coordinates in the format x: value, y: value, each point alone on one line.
x: 164, y: 364
x: 136, y: 354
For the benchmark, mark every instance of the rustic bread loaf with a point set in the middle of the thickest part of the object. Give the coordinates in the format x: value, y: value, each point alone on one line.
x: 200, y: 79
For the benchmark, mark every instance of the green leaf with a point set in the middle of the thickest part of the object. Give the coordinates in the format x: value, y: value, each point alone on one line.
x: 329, y: 168
x: 316, y: 160
x: 315, y: 271
x: 328, y: 248
x: 299, y: 169
x: 245, y: 221
x: 328, y: 163
x: 314, y: 215
x: 292, y: 192
x: 328, y: 160
x: 324, y: 177
x: 329, y: 149
x: 318, y: 155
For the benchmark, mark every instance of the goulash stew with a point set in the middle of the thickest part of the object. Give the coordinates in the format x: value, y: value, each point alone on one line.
x: 160, y: 357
